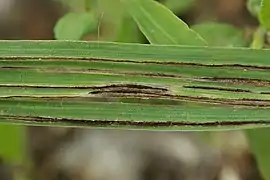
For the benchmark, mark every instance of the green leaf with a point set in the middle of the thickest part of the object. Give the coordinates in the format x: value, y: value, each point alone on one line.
x: 128, y: 31
x: 254, y: 7
x: 258, y: 39
x: 11, y: 140
x: 259, y: 143
x: 264, y: 15
x: 73, y: 26
x: 179, y: 6
x: 133, y: 85
x: 111, y: 14
x: 160, y: 25
x: 219, y: 34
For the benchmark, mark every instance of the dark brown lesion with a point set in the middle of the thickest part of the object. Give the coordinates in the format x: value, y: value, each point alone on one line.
x: 218, y: 89
x: 129, y: 89
x: 239, y: 81
x: 151, y: 92
x: 175, y: 63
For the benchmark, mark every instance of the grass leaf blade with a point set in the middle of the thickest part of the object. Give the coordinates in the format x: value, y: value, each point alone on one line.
x: 160, y: 25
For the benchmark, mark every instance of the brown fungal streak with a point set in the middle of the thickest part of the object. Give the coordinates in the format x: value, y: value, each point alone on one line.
x: 102, y: 123
x: 97, y: 88
x: 128, y: 89
x: 14, y: 67
x: 218, y: 89
x: 142, y: 91
x: 110, y: 96
x: 238, y: 66
x: 239, y: 81
x: 265, y: 92
x: 232, y: 80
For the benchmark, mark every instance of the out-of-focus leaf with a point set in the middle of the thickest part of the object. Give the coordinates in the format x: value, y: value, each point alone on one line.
x: 11, y: 140
x: 128, y: 31
x: 121, y: 27
x: 264, y: 15
x: 160, y: 25
x: 254, y: 7
x: 219, y: 34
x: 110, y: 15
x: 179, y: 6
x: 260, y: 145
x: 73, y: 26
x: 258, y: 39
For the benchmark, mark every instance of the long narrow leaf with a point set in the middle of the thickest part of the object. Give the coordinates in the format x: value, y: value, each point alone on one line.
x: 264, y: 15
x: 160, y: 25
x: 133, y: 85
